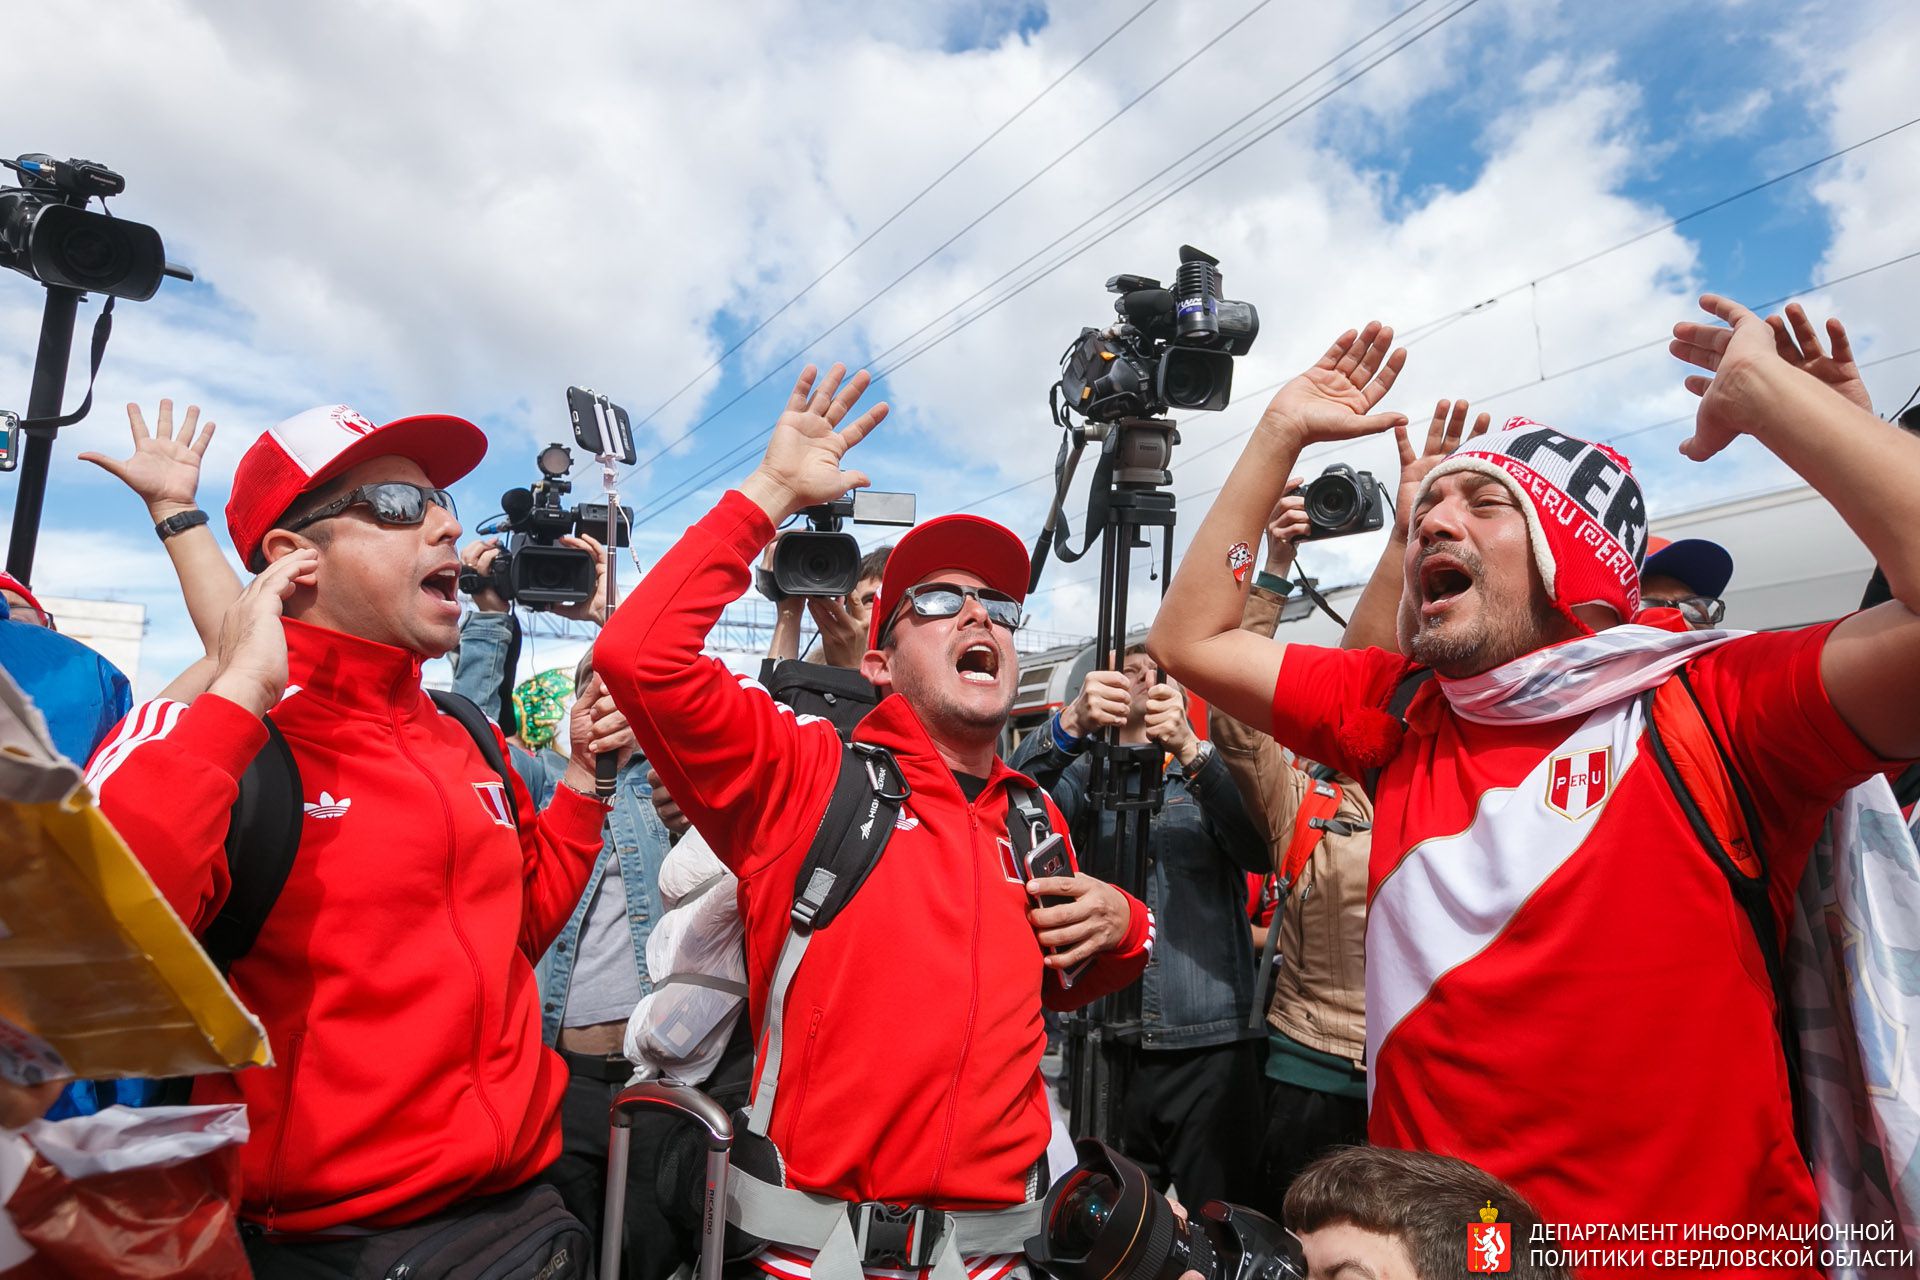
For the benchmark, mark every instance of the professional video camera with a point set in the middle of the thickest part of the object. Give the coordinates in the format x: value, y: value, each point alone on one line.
x: 820, y: 560
x: 48, y: 233
x: 1104, y: 1221
x: 531, y: 569
x: 1172, y: 349
x: 1341, y: 501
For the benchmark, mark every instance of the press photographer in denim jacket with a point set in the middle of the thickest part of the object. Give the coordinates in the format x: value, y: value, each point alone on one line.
x: 596, y: 971
x: 1194, y: 1102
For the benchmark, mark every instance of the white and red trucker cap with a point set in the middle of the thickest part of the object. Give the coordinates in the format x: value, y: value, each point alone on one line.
x: 311, y: 448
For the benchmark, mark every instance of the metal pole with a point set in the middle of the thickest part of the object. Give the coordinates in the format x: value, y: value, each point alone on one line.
x: 43, y: 401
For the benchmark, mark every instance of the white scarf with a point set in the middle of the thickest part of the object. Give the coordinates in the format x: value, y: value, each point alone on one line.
x: 1854, y: 1001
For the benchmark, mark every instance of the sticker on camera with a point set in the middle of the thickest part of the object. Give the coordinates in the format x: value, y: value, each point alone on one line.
x: 1239, y: 559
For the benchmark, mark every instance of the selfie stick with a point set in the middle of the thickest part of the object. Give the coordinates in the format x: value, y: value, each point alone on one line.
x: 607, y: 764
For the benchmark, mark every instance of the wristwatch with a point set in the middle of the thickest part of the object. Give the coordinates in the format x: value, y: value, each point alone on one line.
x: 180, y: 523
x: 1201, y: 754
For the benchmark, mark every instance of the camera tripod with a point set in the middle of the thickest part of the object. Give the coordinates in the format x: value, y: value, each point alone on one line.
x: 1128, y: 499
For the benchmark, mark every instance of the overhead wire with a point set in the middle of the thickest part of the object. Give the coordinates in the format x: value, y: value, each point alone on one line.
x: 942, y: 247
x: 692, y: 484
x: 893, y: 217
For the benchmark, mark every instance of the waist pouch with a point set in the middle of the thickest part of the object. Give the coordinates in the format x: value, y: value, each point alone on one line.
x: 524, y: 1234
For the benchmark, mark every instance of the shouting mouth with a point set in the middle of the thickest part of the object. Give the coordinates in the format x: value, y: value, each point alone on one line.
x: 443, y: 584
x: 979, y: 663
x: 1443, y: 582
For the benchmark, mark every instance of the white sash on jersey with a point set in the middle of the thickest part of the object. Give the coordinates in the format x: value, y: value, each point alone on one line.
x: 1451, y: 896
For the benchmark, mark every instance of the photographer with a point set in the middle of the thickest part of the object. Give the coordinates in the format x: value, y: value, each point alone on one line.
x: 422, y: 885
x: 842, y: 620
x: 1543, y: 907
x: 1194, y: 1090
x: 908, y: 1070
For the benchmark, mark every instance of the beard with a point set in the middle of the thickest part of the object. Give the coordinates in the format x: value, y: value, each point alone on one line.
x: 1503, y: 629
x: 948, y: 716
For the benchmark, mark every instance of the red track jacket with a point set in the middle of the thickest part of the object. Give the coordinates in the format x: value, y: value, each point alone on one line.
x: 911, y: 1072
x: 394, y: 974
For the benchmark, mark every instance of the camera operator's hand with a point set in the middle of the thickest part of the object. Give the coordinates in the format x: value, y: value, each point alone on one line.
x: 1095, y: 921
x: 843, y: 642
x: 669, y: 813
x: 1334, y: 400
x: 479, y: 556
x: 165, y: 468
x: 594, y: 610
x: 1446, y: 432
x: 252, y: 652
x: 1285, y: 527
x: 1167, y: 722
x: 1104, y: 701
x: 1799, y: 345
x: 802, y: 463
x: 594, y: 726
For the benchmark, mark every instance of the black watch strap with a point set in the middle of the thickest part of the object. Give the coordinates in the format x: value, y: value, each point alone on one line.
x: 180, y: 523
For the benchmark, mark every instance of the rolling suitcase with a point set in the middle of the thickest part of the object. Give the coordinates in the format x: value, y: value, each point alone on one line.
x: 682, y: 1100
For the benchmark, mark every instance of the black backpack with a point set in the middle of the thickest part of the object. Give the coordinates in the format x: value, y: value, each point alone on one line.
x: 263, y: 835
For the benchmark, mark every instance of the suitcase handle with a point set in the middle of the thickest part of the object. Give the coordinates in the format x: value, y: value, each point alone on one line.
x: 687, y: 1101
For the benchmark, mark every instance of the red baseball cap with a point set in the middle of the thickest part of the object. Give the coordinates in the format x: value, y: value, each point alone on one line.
x: 10, y: 583
x: 991, y: 552
x: 311, y: 448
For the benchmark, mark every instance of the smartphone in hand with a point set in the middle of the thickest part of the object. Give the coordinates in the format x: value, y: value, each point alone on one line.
x: 1048, y: 859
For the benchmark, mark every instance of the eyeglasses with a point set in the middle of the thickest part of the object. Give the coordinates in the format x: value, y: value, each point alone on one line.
x: 1699, y: 611
x: 394, y: 502
x: 947, y: 599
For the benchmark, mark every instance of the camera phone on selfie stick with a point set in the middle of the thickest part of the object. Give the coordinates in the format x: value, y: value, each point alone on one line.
x: 601, y: 428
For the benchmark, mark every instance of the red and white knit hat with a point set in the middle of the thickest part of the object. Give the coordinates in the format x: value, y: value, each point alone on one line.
x: 311, y: 448
x: 1586, y: 519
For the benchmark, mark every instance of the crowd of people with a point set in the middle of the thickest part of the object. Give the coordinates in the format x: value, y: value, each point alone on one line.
x: 1480, y: 917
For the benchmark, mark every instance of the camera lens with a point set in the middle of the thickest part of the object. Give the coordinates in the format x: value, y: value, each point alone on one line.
x: 1082, y: 1212
x: 93, y: 254
x: 1333, y: 500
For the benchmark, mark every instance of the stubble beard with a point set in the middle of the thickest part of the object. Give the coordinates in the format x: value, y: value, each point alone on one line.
x: 1501, y: 633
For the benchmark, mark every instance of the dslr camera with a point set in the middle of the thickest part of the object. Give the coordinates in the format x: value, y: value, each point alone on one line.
x: 1341, y: 501
x: 1171, y: 348
x: 1104, y: 1221
x: 532, y: 570
x: 821, y: 560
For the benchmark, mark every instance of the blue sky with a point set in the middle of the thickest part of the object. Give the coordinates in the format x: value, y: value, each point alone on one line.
x: 381, y: 217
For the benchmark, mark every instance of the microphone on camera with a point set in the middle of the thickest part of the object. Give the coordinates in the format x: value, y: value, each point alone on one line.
x: 518, y: 505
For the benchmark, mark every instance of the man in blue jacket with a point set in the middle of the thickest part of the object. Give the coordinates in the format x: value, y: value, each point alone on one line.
x: 1194, y: 1095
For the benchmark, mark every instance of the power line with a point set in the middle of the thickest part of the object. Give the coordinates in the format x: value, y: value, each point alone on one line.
x: 894, y: 217
x: 1426, y: 329
x: 679, y: 494
x: 949, y: 241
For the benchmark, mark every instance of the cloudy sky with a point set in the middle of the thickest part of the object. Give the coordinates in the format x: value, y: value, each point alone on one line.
x: 465, y: 207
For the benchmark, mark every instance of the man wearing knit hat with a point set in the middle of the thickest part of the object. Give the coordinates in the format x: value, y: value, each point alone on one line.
x: 1560, y: 984
x: 393, y: 969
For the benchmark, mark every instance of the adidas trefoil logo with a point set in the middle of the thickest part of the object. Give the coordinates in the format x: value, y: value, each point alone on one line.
x: 327, y: 807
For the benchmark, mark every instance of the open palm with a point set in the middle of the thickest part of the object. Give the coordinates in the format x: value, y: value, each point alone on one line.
x: 808, y: 443
x: 1334, y: 399
x: 165, y: 467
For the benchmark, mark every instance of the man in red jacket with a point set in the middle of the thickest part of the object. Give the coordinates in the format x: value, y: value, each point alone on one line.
x: 912, y: 1036
x: 394, y: 972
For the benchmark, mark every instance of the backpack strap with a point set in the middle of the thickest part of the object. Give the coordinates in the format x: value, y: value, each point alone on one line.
x: 1311, y: 821
x: 1027, y: 820
x: 263, y: 837
x: 1701, y: 774
x: 1397, y: 704
x: 853, y: 833
x: 470, y: 717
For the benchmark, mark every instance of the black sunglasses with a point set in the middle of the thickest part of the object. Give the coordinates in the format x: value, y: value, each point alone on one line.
x: 947, y: 599
x: 1700, y: 611
x: 394, y: 502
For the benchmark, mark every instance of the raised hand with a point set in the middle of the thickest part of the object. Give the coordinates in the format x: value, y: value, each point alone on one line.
x: 1334, y: 400
x: 1728, y: 354
x: 1167, y: 722
x: 842, y: 640
x: 1447, y: 432
x: 802, y: 462
x: 165, y: 468
x: 592, y: 610
x: 252, y: 650
x: 1103, y: 703
x: 479, y: 556
x: 1798, y: 343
